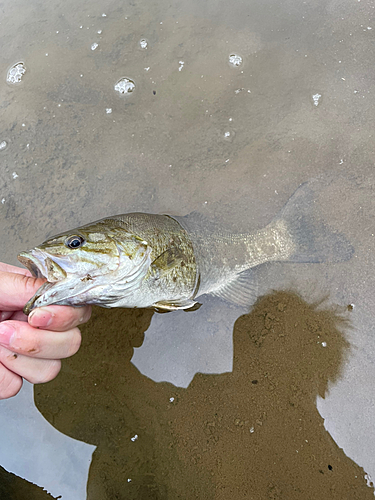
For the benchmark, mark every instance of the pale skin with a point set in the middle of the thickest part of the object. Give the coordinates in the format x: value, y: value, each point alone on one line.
x: 31, y: 347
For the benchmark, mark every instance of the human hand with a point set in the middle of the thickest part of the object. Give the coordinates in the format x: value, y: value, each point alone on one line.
x: 31, y: 346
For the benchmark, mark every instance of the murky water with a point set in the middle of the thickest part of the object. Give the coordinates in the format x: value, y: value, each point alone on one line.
x: 224, y: 109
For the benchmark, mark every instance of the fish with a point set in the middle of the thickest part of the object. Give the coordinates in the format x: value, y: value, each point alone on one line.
x: 166, y: 262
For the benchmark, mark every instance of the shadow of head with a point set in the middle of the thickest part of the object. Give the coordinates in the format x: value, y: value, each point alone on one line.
x: 296, y: 346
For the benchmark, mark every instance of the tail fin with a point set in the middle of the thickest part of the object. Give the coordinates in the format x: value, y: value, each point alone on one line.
x: 314, y: 239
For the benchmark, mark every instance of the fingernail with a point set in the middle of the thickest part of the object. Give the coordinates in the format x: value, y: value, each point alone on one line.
x: 6, y: 333
x: 40, y: 317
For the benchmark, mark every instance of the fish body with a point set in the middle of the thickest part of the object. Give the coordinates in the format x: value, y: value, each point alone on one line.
x: 166, y: 262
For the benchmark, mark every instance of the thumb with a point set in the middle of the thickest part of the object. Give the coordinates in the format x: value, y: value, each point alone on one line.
x: 16, y: 289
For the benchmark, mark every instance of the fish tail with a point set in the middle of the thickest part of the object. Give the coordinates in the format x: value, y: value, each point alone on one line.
x: 313, y: 240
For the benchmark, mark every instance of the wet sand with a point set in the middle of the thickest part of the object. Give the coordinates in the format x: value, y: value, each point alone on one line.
x: 253, y: 433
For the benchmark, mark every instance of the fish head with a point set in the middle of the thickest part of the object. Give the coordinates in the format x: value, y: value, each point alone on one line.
x: 88, y: 265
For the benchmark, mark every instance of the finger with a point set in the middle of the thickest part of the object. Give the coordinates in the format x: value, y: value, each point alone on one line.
x: 10, y: 383
x: 4, y: 315
x: 16, y: 289
x: 59, y: 318
x: 18, y: 316
x: 22, y: 338
x: 36, y: 371
x: 14, y: 269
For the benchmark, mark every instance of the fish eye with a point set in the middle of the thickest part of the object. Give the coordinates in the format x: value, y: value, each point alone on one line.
x: 74, y: 241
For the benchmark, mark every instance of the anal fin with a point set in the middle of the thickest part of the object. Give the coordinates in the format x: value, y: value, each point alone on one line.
x: 241, y: 290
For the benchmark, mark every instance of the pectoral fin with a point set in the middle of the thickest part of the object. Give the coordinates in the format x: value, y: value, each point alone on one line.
x: 176, y: 305
x: 166, y: 261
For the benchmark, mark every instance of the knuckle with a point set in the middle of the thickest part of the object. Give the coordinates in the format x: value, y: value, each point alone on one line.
x: 87, y: 314
x: 30, y: 346
x: 75, y: 342
x: 10, y: 383
x: 47, y: 372
x: 84, y: 314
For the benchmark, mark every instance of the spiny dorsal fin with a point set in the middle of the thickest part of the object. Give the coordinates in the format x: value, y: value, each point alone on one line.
x: 241, y: 291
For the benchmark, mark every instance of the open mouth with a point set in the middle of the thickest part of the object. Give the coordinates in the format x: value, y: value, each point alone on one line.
x: 33, y: 264
x: 40, y: 266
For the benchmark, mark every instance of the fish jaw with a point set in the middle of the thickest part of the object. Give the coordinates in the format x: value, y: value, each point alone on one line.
x: 41, y: 265
x: 31, y: 304
x: 68, y: 292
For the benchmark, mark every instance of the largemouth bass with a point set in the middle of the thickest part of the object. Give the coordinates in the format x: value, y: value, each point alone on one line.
x: 166, y: 262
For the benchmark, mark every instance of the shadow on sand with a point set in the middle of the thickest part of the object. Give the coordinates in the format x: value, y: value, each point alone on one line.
x: 254, y: 433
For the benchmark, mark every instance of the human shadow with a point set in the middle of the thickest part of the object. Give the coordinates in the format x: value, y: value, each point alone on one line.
x: 254, y: 433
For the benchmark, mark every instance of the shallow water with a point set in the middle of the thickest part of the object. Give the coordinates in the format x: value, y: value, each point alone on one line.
x: 234, y: 106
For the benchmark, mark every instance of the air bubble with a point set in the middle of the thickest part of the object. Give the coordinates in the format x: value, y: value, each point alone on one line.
x: 16, y: 72
x: 94, y: 46
x: 125, y: 86
x: 235, y: 60
x: 229, y: 135
x: 316, y: 98
x: 143, y: 43
x: 3, y: 145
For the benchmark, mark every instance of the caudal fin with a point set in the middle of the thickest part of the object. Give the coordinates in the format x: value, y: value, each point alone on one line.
x: 315, y: 241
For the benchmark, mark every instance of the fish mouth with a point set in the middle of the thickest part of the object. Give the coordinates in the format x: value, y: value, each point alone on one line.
x: 33, y: 264
x: 41, y: 265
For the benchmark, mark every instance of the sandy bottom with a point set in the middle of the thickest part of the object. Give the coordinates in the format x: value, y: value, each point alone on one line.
x: 254, y: 433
